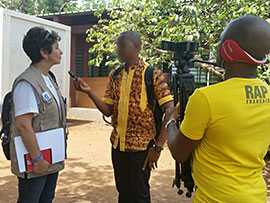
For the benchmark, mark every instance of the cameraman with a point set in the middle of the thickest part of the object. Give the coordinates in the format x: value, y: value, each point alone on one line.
x: 226, y: 125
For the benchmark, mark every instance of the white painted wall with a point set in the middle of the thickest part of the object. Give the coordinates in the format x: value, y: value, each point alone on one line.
x: 13, y: 60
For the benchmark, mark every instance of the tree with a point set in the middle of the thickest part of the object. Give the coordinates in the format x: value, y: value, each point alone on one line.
x: 175, y: 20
x: 37, y: 7
x: 11, y: 4
x: 94, y: 4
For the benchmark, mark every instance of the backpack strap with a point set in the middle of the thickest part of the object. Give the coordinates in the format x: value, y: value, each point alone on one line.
x: 52, y: 76
x: 149, y: 83
x: 152, y: 101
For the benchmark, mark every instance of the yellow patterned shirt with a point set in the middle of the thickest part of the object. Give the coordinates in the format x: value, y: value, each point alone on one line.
x: 132, y: 118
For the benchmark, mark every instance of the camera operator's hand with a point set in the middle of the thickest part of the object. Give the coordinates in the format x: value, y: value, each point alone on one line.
x: 82, y: 86
x: 41, y: 167
x: 175, y: 113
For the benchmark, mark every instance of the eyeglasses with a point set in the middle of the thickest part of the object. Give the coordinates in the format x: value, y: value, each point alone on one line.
x: 46, y: 36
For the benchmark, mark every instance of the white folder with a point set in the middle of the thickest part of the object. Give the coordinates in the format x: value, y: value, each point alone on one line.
x: 51, y: 139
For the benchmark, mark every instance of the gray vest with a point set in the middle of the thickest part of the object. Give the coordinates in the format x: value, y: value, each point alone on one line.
x: 50, y: 116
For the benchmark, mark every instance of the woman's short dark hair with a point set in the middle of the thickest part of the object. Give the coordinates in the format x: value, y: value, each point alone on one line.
x: 36, y: 39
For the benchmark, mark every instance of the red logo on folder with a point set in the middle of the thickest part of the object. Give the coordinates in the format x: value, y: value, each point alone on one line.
x: 47, y: 155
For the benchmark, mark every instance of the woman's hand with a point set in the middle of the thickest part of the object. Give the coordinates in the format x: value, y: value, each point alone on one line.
x: 41, y: 167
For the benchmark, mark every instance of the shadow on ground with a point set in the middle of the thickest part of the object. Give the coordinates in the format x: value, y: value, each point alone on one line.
x: 161, y: 188
x: 82, y: 183
x: 8, y: 191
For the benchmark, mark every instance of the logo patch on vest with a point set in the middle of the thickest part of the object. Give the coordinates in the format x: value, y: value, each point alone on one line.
x: 46, y: 97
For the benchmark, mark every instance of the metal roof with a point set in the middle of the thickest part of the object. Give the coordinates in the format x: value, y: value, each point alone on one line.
x: 85, y: 12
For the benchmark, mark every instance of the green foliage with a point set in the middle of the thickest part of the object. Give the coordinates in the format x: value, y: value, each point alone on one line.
x: 176, y: 20
x: 94, y: 4
x: 37, y: 7
x: 264, y: 73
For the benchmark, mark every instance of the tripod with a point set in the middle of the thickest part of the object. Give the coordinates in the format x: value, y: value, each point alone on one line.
x: 183, y: 85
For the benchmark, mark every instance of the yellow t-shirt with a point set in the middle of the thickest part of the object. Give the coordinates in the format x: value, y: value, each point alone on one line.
x: 232, y: 120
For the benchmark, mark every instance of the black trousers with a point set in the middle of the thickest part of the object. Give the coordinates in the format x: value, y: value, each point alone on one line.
x: 37, y: 190
x: 132, y: 182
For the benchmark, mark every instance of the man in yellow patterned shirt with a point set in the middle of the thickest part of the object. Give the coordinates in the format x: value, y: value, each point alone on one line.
x: 226, y: 125
x: 134, y: 140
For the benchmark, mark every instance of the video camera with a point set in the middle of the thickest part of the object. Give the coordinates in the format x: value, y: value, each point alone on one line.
x: 179, y: 47
x: 181, y: 80
x: 184, y: 52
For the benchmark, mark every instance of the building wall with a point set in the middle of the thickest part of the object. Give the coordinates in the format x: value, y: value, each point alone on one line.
x: 13, y: 60
x: 98, y: 84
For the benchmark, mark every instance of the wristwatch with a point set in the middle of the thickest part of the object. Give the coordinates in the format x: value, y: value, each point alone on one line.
x: 170, y: 122
x: 37, y: 159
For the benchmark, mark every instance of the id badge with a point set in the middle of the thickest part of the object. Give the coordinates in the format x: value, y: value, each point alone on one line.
x: 46, y: 97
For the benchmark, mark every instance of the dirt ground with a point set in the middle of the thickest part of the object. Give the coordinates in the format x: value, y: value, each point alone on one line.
x: 88, y: 176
